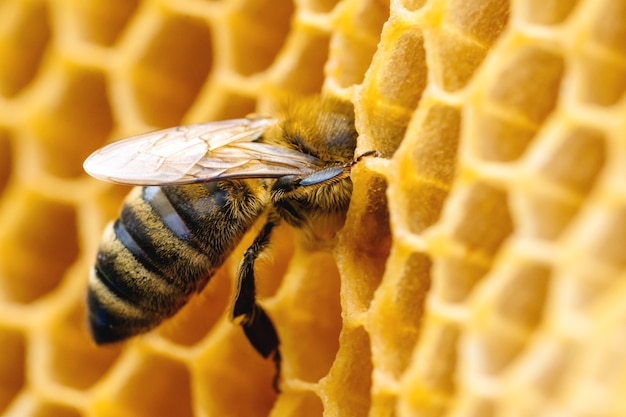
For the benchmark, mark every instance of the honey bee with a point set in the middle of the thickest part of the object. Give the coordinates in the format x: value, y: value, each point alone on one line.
x: 202, y: 187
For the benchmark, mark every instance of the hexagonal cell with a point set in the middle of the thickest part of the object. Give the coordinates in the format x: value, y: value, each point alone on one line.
x: 228, y: 370
x: 301, y: 404
x: 381, y: 124
x: 434, y: 142
x: 395, y: 317
x: 168, y: 74
x: 223, y: 106
x: 38, y: 242
x: 22, y: 44
x: 392, y: 87
x: 6, y: 160
x: 542, y: 214
x: 300, y: 65
x: 484, y: 220
x: 102, y: 21
x: 527, y: 83
x: 454, y: 278
x: 576, y: 159
x: 232, y: 106
x: 429, y: 383
x: 588, y: 284
x: 158, y: 386
x: 544, y: 12
x: 494, y: 138
x: 446, y: 69
x: 605, y: 234
x: 410, y: 292
x: 507, y: 307
x: 600, y: 363
x: 369, y: 16
x: 383, y: 400
x: 349, y: 382
x: 419, y: 204
x: 12, y: 364
x: 426, y: 163
x: 308, y: 316
x: 350, y: 60
x: 49, y: 409
x: 399, y: 73
x: 602, y: 78
x: 364, y: 243
x: 541, y: 373
x: 258, y: 29
x: 355, y: 41
x: 495, y: 346
x: 517, y: 291
x: 73, y: 358
x: 484, y: 21
x: 72, y: 122
x: 608, y: 26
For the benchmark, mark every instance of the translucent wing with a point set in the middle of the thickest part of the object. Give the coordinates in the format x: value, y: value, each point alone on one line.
x: 198, y: 153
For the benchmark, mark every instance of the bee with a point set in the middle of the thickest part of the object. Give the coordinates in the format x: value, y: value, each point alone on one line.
x: 201, y: 187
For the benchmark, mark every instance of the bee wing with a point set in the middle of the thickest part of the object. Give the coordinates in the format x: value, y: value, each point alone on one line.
x: 197, y: 153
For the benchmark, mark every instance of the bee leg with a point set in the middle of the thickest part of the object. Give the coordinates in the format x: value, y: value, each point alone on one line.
x: 257, y: 325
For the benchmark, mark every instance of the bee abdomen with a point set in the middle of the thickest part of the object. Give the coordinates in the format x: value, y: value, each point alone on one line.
x: 165, y: 246
x: 147, y: 267
x: 129, y: 272
x: 111, y: 317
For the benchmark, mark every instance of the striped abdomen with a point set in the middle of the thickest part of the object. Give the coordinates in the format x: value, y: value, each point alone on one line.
x: 166, y: 244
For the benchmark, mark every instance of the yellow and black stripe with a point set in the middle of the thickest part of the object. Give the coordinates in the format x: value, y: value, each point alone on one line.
x: 166, y: 244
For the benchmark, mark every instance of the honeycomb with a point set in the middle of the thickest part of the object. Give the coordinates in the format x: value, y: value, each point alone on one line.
x: 478, y: 270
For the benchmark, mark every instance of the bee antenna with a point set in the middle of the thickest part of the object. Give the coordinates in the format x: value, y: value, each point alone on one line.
x: 373, y: 153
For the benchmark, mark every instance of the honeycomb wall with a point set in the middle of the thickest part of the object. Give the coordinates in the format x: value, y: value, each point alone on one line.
x: 480, y: 269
